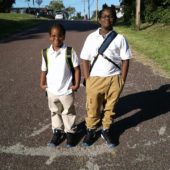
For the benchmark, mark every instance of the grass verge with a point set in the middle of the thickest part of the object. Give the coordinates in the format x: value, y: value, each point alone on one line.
x: 11, y: 23
x: 153, y: 42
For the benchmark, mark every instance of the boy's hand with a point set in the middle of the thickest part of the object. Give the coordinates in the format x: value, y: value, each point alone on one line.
x: 43, y: 87
x: 74, y: 88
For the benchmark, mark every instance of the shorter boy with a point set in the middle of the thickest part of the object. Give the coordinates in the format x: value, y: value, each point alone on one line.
x: 57, y: 79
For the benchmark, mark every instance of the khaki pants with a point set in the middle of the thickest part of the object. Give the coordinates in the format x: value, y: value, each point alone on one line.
x: 102, y: 92
x: 62, y: 112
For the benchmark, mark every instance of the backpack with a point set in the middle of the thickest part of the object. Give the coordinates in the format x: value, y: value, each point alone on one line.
x: 67, y: 57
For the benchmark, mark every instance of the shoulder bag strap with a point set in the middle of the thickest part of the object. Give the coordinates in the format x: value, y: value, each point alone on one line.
x: 103, y: 47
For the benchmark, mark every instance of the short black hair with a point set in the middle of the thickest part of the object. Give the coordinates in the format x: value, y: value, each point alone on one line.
x: 58, y: 26
x: 112, y: 8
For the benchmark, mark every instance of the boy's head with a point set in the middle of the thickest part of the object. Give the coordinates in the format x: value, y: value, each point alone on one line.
x: 107, y: 16
x: 57, y: 35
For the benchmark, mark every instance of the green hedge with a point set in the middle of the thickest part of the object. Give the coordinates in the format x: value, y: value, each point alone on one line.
x: 153, y: 11
x: 161, y: 15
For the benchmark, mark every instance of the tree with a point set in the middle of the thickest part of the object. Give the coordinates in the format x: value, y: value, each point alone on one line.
x: 56, y: 5
x: 5, y: 5
x: 151, y: 11
x: 93, y: 17
x: 78, y: 15
x: 70, y: 10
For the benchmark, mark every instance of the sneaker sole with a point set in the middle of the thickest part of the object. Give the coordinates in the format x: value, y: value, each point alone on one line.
x: 85, y: 145
x: 110, y: 145
x: 68, y: 146
x: 51, y: 145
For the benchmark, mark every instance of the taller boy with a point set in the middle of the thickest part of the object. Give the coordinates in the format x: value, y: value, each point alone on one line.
x: 56, y: 79
x: 105, y: 81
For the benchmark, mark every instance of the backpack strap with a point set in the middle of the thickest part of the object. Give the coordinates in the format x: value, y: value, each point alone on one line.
x: 101, y: 50
x: 68, y: 57
x: 69, y: 61
x: 44, y: 53
x: 103, y: 47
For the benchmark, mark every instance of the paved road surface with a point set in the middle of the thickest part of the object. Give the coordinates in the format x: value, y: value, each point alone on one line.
x: 141, y: 129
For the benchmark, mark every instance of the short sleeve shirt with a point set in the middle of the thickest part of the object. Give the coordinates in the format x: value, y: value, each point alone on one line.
x: 59, y: 76
x: 117, y: 51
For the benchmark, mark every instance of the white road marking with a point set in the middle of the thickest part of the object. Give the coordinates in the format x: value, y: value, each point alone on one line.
x: 92, y: 166
x: 142, y: 158
x: 137, y: 129
x: 148, y: 143
x: 162, y: 130
x: 37, y: 132
x: 131, y: 147
x: 53, y: 153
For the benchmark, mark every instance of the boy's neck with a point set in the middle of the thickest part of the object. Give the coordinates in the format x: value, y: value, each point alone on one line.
x: 57, y: 48
x: 104, y: 31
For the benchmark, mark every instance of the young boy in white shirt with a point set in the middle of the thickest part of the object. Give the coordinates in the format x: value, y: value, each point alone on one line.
x: 57, y: 79
x: 105, y: 81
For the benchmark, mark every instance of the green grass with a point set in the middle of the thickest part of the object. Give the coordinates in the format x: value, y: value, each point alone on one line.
x: 153, y: 42
x: 15, y: 16
x: 11, y: 23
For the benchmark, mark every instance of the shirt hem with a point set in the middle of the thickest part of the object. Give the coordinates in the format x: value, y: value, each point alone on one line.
x: 61, y: 94
x: 116, y: 73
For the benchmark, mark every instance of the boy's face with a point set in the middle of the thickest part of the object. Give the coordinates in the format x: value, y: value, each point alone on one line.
x: 106, y: 19
x: 56, y: 37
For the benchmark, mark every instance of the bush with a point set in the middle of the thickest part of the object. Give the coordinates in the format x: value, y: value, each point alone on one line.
x: 161, y: 15
x: 5, y: 5
x: 152, y: 11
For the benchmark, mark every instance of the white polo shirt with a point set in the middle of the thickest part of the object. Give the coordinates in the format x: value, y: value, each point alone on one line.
x: 59, y: 76
x: 117, y: 51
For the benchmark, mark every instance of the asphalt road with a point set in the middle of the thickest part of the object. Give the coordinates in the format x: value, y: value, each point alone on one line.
x: 141, y: 128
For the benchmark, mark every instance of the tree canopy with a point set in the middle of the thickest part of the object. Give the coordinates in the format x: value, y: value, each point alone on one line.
x: 70, y: 10
x: 56, y: 5
x: 5, y: 5
x: 151, y: 11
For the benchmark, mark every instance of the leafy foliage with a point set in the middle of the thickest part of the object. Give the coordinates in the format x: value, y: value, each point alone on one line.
x: 5, y: 5
x: 70, y: 10
x: 56, y: 5
x: 151, y: 11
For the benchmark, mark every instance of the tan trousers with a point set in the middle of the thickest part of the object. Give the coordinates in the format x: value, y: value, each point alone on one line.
x: 63, y: 113
x: 102, y: 92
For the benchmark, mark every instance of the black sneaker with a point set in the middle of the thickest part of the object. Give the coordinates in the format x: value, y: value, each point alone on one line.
x: 106, y: 136
x: 89, y: 137
x: 58, y: 136
x: 70, y: 140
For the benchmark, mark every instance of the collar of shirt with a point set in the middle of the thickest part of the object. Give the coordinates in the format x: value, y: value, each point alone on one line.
x: 99, y: 35
x: 52, y: 52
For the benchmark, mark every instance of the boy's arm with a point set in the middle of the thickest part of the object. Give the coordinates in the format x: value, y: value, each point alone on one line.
x: 43, y: 84
x: 77, y: 75
x: 86, y: 68
x: 124, y: 70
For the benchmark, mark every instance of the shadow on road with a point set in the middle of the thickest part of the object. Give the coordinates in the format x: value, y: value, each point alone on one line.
x: 80, y: 26
x: 81, y: 131
x: 149, y: 104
